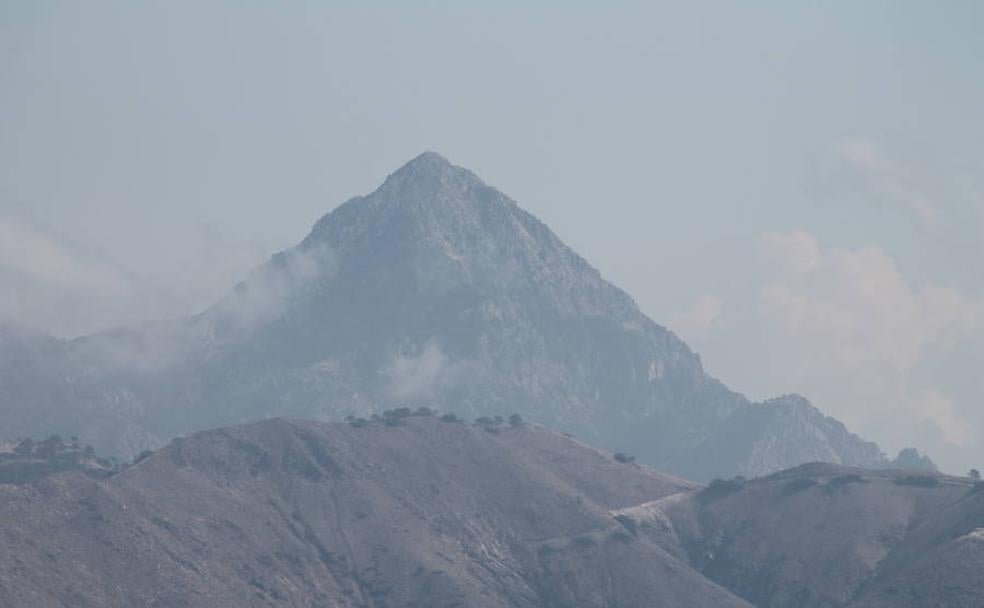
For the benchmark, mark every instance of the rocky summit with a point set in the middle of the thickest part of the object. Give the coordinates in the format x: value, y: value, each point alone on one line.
x: 435, y: 290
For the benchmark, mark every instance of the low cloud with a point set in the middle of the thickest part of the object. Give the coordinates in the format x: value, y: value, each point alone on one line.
x: 696, y: 322
x: 416, y: 375
x: 54, y: 285
x: 50, y: 283
x: 883, y: 176
x: 847, y: 329
x: 269, y: 289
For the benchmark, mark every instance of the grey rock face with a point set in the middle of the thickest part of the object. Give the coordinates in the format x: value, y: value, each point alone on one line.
x: 436, y: 290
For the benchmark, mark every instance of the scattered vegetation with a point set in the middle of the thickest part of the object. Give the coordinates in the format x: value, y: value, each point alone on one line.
x: 396, y: 417
x: 357, y: 422
x: 29, y: 459
x: 843, y: 480
x: 489, y: 425
x: 798, y: 485
x: 495, y: 424
x: 919, y: 481
x: 975, y: 476
x: 392, y: 417
x: 721, y: 488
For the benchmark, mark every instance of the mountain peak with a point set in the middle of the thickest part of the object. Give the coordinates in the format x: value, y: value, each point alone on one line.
x: 435, y: 290
x: 428, y: 160
x: 426, y: 165
x: 427, y: 186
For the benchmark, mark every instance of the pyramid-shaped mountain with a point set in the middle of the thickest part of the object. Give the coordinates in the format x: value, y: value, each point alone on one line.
x: 435, y: 290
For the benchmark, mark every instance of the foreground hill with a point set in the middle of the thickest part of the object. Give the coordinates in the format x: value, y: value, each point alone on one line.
x: 420, y: 511
x: 280, y: 513
x: 824, y: 536
x: 435, y: 290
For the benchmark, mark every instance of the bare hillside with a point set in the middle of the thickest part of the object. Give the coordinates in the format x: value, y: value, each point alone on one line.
x: 825, y: 536
x: 419, y: 512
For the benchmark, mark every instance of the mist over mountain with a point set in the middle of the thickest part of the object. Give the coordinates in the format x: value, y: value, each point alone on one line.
x: 424, y: 511
x: 435, y: 290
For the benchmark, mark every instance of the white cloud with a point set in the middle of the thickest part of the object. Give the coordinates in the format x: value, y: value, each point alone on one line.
x: 887, y: 179
x: 267, y: 291
x: 51, y: 284
x: 48, y: 282
x: 28, y: 251
x: 700, y: 319
x: 413, y: 376
x: 845, y: 328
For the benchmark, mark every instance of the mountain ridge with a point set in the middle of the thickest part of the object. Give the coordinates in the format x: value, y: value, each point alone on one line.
x: 433, y: 290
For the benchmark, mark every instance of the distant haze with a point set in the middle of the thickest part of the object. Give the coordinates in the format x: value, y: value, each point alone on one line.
x: 801, y: 187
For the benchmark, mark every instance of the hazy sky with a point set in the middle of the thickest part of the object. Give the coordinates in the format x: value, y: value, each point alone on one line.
x: 797, y: 190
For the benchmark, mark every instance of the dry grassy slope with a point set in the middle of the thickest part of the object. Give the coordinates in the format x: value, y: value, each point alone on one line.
x: 940, y: 564
x: 308, y: 514
x: 828, y: 536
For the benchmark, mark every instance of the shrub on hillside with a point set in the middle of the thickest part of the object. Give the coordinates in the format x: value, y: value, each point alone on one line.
x: 919, y: 481
x: 720, y: 488
x: 489, y: 425
x: 798, y: 485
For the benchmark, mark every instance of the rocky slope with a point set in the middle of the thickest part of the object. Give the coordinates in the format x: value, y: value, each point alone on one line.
x: 421, y: 512
x: 437, y: 290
